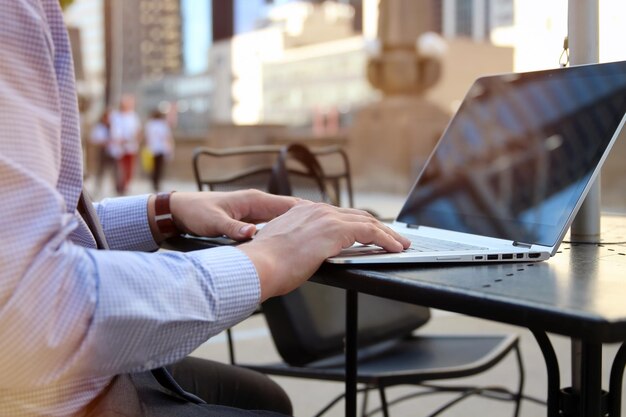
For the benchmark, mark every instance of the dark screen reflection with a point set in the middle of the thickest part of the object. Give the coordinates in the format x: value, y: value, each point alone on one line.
x: 519, y: 152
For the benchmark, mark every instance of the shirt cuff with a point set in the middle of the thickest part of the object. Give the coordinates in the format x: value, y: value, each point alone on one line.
x: 234, y: 278
x: 125, y: 223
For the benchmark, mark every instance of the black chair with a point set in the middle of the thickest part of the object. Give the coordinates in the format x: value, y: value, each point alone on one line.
x: 308, y: 328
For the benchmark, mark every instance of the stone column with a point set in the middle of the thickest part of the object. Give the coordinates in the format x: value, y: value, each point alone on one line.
x: 390, y: 139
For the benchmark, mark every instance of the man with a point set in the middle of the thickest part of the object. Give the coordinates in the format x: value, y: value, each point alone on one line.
x: 80, y: 326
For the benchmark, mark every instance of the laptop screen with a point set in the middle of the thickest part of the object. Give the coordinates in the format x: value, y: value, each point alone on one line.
x: 516, y: 157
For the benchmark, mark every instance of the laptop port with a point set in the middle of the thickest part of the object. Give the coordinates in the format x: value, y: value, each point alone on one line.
x: 534, y: 255
x: 507, y: 256
x: 479, y: 258
x: 519, y: 255
x: 492, y: 257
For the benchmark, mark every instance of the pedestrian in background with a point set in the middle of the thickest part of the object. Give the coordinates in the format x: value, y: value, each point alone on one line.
x: 125, y: 136
x: 160, y: 143
x: 99, y: 137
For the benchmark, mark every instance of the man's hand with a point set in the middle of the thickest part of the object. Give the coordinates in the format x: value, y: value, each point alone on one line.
x: 233, y: 214
x: 290, y: 248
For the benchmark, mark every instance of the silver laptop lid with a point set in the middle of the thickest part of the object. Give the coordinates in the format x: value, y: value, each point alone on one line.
x: 519, y: 155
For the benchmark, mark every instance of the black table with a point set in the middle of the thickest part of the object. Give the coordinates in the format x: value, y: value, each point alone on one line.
x: 579, y: 293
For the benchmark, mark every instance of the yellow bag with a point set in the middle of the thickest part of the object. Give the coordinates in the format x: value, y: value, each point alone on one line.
x: 147, y: 160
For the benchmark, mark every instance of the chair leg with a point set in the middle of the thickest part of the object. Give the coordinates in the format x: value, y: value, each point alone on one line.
x: 366, y: 392
x: 337, y: 399
x: 520, y: 387
x: 330, y: 405
x: 383, y: 400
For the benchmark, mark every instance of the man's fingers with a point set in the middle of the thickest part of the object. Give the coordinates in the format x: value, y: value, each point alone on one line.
x: 237, y: 230
x: 371, y: 233
x: 368, y: 219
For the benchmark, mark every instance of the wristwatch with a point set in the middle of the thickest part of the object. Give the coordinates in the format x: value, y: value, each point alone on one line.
x: 163, y: 215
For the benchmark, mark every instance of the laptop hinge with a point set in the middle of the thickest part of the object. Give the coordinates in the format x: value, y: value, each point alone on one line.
x: 413, y: 226
x: 522, y: 244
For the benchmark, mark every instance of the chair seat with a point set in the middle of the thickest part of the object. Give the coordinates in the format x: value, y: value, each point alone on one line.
x: 408, y: 361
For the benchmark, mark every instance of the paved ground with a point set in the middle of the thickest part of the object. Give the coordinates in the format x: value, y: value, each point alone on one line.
x: 254, y: 344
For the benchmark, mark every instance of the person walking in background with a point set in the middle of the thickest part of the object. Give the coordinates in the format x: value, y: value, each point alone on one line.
x: 125, y: 131
x: 99, y: 138
x: 159, y: 141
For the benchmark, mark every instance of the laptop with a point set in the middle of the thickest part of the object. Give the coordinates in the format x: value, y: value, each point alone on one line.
x: 511, y: 169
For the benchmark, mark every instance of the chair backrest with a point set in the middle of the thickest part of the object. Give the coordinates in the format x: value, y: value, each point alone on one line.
x: 230, y: 169
x: 337, y: 175
x: 306, y: 179
x: 308, y: 323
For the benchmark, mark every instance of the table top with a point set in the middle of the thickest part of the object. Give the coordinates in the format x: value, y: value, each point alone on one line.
x: 580, y: 292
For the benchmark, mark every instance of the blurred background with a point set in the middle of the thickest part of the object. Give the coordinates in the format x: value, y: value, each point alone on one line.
x: 379, y: 78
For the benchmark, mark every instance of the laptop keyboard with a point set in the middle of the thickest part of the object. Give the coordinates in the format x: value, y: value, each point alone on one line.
x: 429, y: 244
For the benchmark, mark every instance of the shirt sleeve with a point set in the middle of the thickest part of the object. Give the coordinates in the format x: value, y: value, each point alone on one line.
x: 67, y: 312
x: 167, y: 305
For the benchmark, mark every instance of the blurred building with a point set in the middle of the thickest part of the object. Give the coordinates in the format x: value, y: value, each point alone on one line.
x: 299, y: 62
x: 474, y: 19
x: 247, y: 68
x: 272, y: 61
x: 186, y: 99
x: 230, y: 41
x: 85, y: 21
x: 143, y: 41
x: 317, y: 85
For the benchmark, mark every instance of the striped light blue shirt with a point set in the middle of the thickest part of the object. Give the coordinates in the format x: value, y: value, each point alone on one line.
x: 72, y: 317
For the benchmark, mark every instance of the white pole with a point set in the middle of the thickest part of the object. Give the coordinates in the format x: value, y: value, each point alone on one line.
x: 583, y: 39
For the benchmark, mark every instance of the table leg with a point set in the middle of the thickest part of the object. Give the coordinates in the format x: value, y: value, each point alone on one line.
x: 591, y: 380
x: 585, y: 398
x: 352, y: 306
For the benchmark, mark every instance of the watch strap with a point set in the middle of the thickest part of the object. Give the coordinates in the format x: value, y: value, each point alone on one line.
x: 163, y: 215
